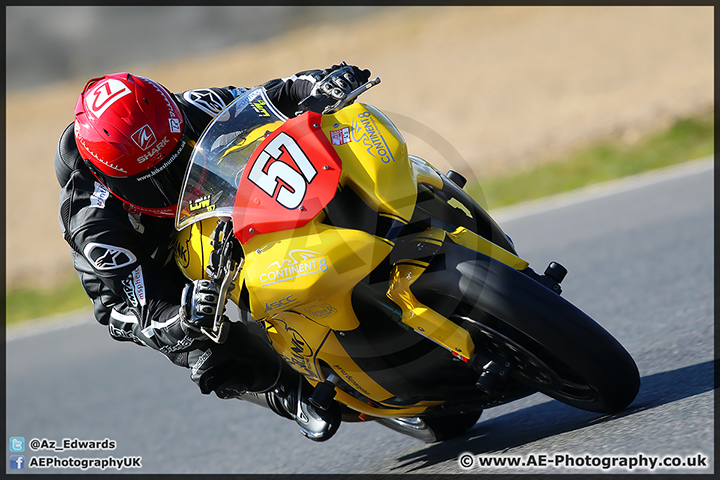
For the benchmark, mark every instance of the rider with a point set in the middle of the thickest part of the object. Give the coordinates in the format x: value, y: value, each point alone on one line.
x: 121, y: 165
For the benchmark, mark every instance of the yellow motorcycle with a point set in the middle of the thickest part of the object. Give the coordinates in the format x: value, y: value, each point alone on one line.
x: 377, y: 277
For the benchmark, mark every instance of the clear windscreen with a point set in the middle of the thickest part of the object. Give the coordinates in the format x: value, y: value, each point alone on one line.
x: 220, y: 155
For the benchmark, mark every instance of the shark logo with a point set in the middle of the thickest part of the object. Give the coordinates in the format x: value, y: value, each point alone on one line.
x: 144, y: 138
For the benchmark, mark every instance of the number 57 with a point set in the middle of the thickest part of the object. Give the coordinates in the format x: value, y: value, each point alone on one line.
x: 292, y: 185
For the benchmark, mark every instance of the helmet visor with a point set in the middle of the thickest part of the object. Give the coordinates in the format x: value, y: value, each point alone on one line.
x: 157, y: 187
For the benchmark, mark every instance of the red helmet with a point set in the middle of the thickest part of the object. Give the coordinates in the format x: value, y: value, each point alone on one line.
x: 131, y: 135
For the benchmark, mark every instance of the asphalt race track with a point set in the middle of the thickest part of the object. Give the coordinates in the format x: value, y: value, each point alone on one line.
x: 640, y: 257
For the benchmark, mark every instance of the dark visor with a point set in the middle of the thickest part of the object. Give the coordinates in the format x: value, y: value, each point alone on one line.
x: 157, y: 187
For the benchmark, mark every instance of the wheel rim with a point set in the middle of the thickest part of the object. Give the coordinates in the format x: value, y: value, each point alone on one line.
x: 548, y: 375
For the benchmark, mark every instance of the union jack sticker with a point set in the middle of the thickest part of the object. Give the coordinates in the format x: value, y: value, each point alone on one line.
x: 340, y: 137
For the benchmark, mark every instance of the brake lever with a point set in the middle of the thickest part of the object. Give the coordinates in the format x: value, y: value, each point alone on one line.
x: 314, y: 103
x: 224, y: 270
x: 352, y: 96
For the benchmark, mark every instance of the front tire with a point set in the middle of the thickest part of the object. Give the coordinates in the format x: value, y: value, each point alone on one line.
x: 553, y: 346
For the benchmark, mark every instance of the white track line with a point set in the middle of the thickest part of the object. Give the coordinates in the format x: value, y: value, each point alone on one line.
x: 599, y: 190
x: 49, y: 324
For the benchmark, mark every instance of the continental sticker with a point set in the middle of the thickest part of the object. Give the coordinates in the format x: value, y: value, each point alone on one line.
x: 365, y: 131
x: 299, y: 263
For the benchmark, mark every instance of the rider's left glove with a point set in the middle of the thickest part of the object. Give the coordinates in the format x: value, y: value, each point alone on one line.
x: 198, y: 305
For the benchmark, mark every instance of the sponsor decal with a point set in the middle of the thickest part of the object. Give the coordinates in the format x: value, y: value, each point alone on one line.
x: 185, y: 342
x: 174, y: 125
x: 104, y: 94
x: 99, y: 196
x: 163, y: 143
x: 120, y: 333
x: 200, y: 361
x: 349, y: 379
x: 299, y: 263
x: 365, y: 130
x: 340, y: 137
x: 280, y: 303
x: 134, y: 218
x: 96, y: 157
x: 200, y: 203
x: 300, y: 355
x: 182, y: 253
x: 108, y: 257
x: 168, y: 101
x: 144, y: 138
x: 134, y: 288
x: 321, y: 311
x: 129, y: 292
x: 206, y: 100
x: 166, y: 163
x: 260, y: 107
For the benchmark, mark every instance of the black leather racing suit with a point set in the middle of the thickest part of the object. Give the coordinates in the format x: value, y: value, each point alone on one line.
x: 125, y: 259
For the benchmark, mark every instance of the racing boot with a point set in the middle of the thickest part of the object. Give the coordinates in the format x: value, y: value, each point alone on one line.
x: 265, y: 379
x: 290, y: 400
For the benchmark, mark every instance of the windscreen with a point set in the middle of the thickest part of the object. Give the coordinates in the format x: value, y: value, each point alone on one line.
x: 220, y: 155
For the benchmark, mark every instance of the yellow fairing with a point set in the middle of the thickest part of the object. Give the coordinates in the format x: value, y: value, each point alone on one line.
x: 192, y: 248
x: 300, y: 282
x: 319, y: 264
x: 426, y: 321
x: 375, y: 158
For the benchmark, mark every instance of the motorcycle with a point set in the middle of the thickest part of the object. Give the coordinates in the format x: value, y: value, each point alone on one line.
x: 377, y: 277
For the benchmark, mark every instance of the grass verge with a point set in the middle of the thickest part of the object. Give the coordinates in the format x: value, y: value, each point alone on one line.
x: 687, y: 139
x: 26, y: 303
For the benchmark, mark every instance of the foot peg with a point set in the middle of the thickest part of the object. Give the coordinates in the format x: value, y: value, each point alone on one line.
x: 324, y: 393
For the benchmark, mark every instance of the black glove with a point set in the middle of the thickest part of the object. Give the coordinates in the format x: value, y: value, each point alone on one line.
x: 333, y: 86
x: 198, y: 305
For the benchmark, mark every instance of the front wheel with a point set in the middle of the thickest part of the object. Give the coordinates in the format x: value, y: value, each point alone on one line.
x: 548, y: 343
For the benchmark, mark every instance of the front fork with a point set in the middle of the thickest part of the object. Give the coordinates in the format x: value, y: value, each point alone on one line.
x: 496, y: 367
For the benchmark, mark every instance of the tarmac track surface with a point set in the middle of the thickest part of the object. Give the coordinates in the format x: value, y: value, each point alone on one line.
x: 640, y: 257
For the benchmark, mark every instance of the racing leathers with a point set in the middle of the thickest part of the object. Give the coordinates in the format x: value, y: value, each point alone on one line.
x: 125, y: 259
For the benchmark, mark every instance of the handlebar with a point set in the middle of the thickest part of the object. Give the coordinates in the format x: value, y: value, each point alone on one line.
x: 350, y: 98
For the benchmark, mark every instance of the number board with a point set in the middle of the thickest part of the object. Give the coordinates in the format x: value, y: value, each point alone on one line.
x: 290, y: 178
